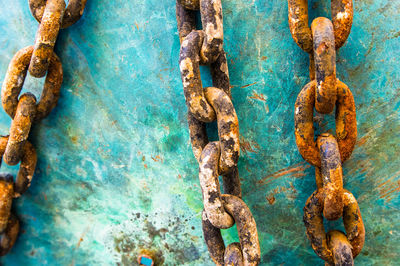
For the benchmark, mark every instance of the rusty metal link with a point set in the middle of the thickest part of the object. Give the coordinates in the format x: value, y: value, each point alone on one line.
x: 215, y: 158
x: 342, y: 19
x: 72, y: 13
x: 327, y: 153
x: 247, y: 231
x: 26, y: 168
x: 331, y: 175
x: 189, y: 64
x: 9, y: 236
x: 346, y: 124
x: 15, y: 77
x: 20, y: 128
x: 6, y: 197
x: 325, y: 65
x: 340, y: 248
x: 24, y: 110
x: 190, y: 4
x: 354, y: 226
x: 208, y: 175
x: 212, y: 21
x: 233, y: 255
x: 46, y: 37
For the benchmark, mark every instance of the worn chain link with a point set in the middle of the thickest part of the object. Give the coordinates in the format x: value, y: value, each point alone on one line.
x: 24, y: 110
x: 217, y: 158
x: 328, y: 152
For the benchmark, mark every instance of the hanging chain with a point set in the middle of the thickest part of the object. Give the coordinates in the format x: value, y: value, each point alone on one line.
x: 327, y: 153
x: 25, y: 110
x: 221, y: 211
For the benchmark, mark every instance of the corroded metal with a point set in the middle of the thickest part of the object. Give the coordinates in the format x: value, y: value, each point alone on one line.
x: 26, y: 168
x: 325, y: 65
x: 46, y: 37
x: 20, y: 128
x: 353, y: 223
x: 327, y: 152
x: 246, y: 226
x: 233, y: 255
x: 332, y: 176
x: 211, y: 19
x: 24, y: 110
x: 186, y: 20
x: 247, y: 231
x: 51, y: 89
x: 6, y: 197
x: 342, y: 19
x: 9, y: 236
x: 72, y: 13
x: 189, y: 63
x: 352, y: 220
x: 298, y: 24
x: 213, y: 238
x: 341, y: 249
x: 215, y: 158
x: 208, y: 176
x: 346, y: 124
x: 15, y: 77
x: 190, y: 4
x: 220, y: 73
x: 228, y: 128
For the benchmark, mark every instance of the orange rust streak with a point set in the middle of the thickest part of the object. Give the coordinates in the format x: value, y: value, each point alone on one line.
x: 296, y: 170
x: 248, y: 85
x: 257, y: 96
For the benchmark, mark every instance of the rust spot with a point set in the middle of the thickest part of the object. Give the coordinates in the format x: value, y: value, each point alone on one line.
x: 271, y: 199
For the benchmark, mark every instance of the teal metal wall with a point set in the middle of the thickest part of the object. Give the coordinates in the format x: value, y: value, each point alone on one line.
x: 116, y: 173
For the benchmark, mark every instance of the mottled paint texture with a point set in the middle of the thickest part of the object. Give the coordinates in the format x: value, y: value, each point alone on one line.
x: 116, y: 173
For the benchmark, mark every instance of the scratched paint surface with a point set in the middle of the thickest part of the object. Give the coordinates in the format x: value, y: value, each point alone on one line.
x: 115, y: 169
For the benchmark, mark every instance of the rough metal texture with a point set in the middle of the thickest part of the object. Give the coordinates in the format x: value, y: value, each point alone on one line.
x: 116, y: 148
x: 345, y: 123
x: 352, y: 220
x: 332, y: 176
x: 325, y: 64
x: 72, y: 13
x: 46, y: 37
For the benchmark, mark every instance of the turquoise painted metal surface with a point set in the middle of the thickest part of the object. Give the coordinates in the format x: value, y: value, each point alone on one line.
x: 116, y: 173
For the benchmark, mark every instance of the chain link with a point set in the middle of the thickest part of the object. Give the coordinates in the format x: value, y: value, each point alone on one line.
x: 24, y: 110
x: 221, y: 211
x: 328, y: 152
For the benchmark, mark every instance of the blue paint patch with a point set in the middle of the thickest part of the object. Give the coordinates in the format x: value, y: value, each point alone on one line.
x: 146, y: 261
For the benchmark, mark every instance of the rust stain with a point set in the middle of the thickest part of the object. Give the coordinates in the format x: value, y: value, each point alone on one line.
x: 388, y: 188
x: 271, y: 199
x: 291, y: 193
x: 248, y: 85
x: 296, y: 170
x: 257, y: 96
x: 157, y: 158
x: 246, y: 146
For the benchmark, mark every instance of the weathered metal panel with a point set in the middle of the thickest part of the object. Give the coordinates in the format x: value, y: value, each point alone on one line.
x: 116, y: 173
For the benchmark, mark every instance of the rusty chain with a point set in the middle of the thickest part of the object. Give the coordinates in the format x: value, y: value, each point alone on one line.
x: 327, y: 153
x: 221, y: 211
x: 25, y: 110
